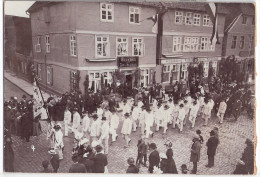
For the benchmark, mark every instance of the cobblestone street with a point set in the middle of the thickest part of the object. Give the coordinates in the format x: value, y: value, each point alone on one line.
x: 232, y: 137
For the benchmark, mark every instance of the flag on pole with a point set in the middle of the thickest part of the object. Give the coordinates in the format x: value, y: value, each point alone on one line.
x: 211, y: 8
x: 37, y: 100
x: 154, y: 18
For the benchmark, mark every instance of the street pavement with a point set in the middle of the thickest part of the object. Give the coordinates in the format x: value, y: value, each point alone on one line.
x: 232, y: 137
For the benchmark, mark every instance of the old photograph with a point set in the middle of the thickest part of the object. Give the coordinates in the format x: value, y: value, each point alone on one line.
x: 129, y: 87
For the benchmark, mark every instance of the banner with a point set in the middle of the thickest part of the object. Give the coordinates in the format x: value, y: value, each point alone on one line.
x: 37, y: 101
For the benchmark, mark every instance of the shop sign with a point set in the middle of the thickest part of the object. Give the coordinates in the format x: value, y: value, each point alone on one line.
x: 171, y: 61
x: 127, y: 61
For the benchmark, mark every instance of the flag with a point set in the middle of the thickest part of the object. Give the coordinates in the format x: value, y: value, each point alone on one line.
x: 37, y: 100
x: 211, y: 8
x: 154, y: 18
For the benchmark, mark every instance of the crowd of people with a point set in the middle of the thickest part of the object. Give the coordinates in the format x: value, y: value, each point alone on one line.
x: 92, y: 118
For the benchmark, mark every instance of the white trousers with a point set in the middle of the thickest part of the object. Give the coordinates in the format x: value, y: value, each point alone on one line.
x: 113, y: 134
x: 192, y: 119
x: 66, y: 129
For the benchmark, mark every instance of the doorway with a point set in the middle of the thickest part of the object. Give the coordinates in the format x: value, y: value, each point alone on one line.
x: 128, y: 84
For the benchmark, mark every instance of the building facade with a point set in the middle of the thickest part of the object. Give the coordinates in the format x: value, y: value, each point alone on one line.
x: 187, y: 30
x: 73, y: 40
x: 18, y: 46
x: 239, y: 39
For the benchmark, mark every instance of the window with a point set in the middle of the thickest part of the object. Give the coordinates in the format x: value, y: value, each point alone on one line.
x: 47, y: 42
x: 73, y: 45
x: 134, y: 15
x: 138, y: 46
x: 244, y: 19
x: 144, y: 77
x: 242, y: 42
x: 108, y: 78
x: 184, y: 72
x: 171, y: 72
x: 106, y: 12
x: 74, y: 80
x: 188, y: 18
x: 214, y: 66
x: 178, y: 17
x: 177, y: 44
x: 251, y: 42
x: 204, y: 43
x: 207, y: 21
x: 102, y: 46
x: 253, y: 21
x: 206, y: 69
x: 194, y: 44
x: 49, y: 75
x: 234, y: 42
x: 39, y: 71
x: 196, y: 19
x: 38, y: 44
x: 187, y: 43
x: 122, y: 46
x: 166, y: 73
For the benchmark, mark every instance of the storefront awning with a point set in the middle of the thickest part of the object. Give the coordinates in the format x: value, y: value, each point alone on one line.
x: 172, y: 55
x: 100, y: 59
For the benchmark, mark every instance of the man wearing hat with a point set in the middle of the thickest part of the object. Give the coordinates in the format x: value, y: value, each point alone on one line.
x: 149, y: 120
x: 76, y: 120
x: 67, y: 121
x: 131, y: 168
x: 95, y: 128
x: 195, y: 153
x: 154, y: 158
x: 114, y: 122
x: 126, y: 129
x: 100, y: 160
x: 194, y: 108
x: 212, y: 145
x: 77, y: 167
x: 58, y: 141
x: 104, y: 134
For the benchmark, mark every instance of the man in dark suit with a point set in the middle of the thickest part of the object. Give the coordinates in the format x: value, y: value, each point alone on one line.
x: 77, y: 167
x: 212, y: 146
x: 100, y: 161
x: 154, y: 158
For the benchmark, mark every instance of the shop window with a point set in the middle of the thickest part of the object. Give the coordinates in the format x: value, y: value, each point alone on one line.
x: 102, y: 46
x: 122, y: 46
x: 138, y: 46
x: 106, y: 12
x: 145, y: 77
x: 108, y: 78
x: 134, y: 15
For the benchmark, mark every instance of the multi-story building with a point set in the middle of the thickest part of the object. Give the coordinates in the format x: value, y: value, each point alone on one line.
x: 18, y: 45
x: 239, y: 36
x: 187, y: 30
x: 74, y: 39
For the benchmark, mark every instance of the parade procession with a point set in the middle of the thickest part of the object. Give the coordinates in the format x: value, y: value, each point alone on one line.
x: 151, y: 112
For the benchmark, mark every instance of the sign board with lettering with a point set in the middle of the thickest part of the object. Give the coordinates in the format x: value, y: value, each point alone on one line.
x: 127, y: 61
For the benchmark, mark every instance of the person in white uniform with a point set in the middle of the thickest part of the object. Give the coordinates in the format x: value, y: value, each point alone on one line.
x: 76, y: 120
x: 181, y: 117
x: 58, y: 140
x: 86, y: 125
x: 126, y: 129
x: 95, y: 128
x: 149, y: 120
x: 175, y: 113
x: 99, y: 113
x: 135, y: 116
x: 67, y: 121
x: 193, y: 113
x: 142, y: 119
x: 114, y: 122
x: 158, y: 116
x: 104, y: 134
x: 221, y: 110
x: 166, y: 116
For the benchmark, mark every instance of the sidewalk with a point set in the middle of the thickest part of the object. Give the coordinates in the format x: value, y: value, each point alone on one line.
x: 22, y: 84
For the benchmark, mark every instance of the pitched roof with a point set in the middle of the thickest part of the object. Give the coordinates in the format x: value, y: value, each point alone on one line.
x: 37, y: 5
x: 247, y: 8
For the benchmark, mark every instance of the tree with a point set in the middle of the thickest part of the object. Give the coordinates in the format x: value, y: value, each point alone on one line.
x: 200, y: 70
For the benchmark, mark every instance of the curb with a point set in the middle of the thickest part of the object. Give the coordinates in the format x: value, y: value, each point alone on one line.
x: 17, y: 85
